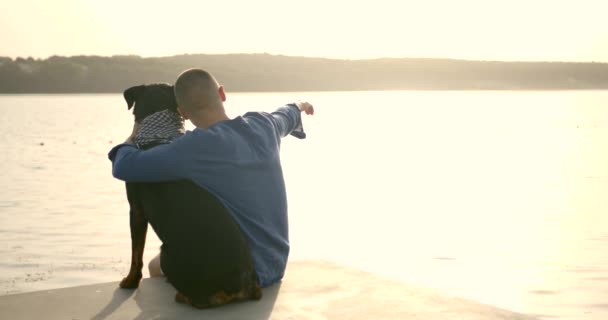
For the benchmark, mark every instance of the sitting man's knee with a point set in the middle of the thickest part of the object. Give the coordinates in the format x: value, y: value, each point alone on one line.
x: 154, y: 267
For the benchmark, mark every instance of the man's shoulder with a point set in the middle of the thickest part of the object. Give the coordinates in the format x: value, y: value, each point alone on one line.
x: 257, y: 126
x: 258, y: 119
x: 252, y: 125
x: 257, y: 115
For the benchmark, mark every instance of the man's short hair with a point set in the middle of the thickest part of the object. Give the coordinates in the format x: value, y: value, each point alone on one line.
x: 196, y: 89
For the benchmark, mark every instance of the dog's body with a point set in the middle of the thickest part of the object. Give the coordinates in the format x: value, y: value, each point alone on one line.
x: 204, y: 254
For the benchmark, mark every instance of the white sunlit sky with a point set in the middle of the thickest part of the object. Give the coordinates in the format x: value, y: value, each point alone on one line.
x: 515, y: 30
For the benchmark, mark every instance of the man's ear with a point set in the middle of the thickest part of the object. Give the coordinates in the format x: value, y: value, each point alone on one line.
x: 222, y: 93
x: 132, y: 94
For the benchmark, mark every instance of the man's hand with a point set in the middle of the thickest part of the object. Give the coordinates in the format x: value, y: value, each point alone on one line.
x: 305, y: 107
x: 133, y: 133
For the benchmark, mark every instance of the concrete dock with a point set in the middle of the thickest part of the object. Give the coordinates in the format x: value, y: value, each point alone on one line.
x: 310, y: 290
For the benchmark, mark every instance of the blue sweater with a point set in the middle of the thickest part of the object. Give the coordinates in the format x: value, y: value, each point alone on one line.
x: 238, y: 161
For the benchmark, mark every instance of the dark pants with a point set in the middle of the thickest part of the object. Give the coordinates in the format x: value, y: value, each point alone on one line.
x: 203, y: 250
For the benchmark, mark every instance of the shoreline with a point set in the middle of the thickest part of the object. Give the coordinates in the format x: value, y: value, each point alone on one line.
x: 312, y: 289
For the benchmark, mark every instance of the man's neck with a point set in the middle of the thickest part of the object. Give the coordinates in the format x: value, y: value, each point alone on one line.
x: 206, y: 119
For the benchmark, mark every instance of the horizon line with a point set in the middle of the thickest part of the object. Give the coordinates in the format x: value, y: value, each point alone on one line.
x: 295, y: 56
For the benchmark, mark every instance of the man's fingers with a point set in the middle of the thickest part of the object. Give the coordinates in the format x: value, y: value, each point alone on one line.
x: 306, y: 107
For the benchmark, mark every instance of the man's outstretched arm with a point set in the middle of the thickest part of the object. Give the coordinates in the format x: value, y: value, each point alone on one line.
x: 289, y: 121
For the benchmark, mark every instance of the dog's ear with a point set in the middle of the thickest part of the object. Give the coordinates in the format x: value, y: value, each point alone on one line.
x: 172, y: 95
x: 132, y: 94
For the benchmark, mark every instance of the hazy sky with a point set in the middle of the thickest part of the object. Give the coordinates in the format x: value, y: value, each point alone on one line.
x: 564, y: 30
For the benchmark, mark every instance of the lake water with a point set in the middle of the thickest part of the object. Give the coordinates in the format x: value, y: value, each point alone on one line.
x: 499, y: 197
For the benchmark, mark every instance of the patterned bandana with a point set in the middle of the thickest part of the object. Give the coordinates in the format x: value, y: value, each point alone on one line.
x: 159, y: 128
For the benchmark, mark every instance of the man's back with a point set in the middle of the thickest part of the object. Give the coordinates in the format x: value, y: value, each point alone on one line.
x: 238, y: 161
x: 244, y: 172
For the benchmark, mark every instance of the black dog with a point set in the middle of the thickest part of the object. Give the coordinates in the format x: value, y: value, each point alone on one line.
x: 204, y: 254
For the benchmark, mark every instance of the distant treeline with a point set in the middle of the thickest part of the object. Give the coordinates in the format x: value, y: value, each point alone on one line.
x: 264, y: 72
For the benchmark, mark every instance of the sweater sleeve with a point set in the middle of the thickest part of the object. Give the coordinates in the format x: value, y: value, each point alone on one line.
x: 288, y: 120
x: 154, y: 165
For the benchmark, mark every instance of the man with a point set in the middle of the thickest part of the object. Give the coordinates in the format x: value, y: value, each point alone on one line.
x: 237, y: 160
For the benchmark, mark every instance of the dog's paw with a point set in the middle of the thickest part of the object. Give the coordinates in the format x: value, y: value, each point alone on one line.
x: 180, y: 298
x: 130, y: 282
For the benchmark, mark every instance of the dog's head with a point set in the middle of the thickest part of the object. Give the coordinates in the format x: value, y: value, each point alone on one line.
x: 148, y: 99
